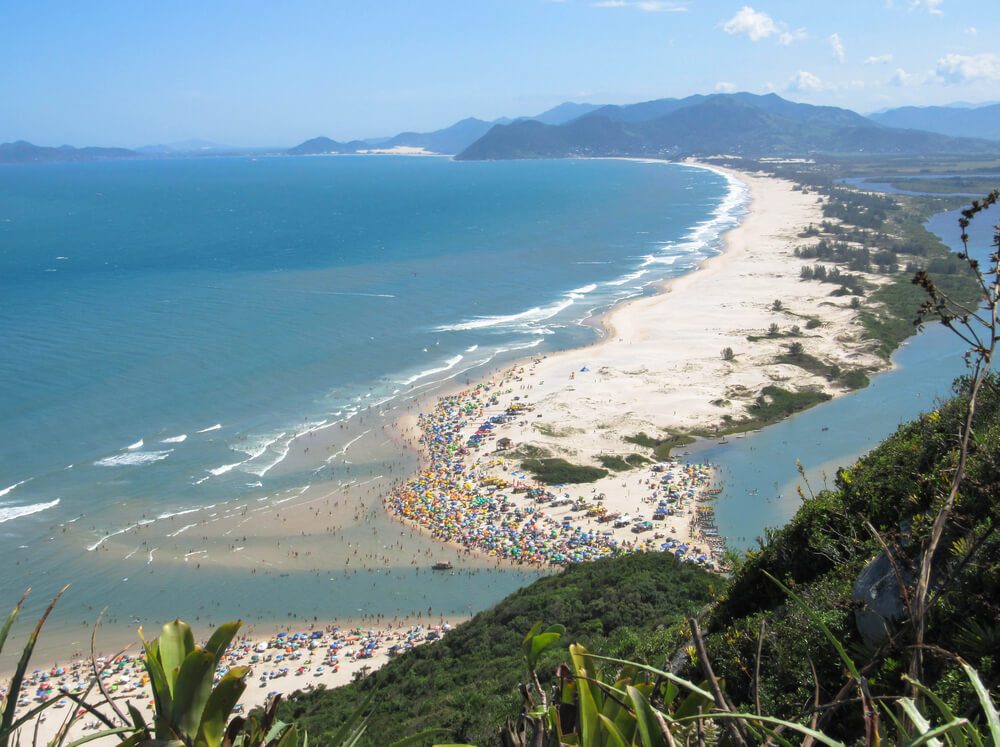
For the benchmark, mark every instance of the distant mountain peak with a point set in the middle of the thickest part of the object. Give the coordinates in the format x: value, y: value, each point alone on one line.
x: 743, y: 123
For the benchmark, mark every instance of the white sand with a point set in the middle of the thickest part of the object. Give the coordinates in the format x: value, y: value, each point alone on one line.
x: 659, y: 368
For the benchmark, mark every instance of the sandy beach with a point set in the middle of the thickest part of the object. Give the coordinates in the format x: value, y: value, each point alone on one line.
x: 283, y: 663
x: 657, y: 370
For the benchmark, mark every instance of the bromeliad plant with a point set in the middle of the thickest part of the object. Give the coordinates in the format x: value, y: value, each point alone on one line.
x: 189, y: 710
x: 604, y: 702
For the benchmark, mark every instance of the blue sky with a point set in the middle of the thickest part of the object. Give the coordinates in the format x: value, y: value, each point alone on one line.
x: 268, y: 73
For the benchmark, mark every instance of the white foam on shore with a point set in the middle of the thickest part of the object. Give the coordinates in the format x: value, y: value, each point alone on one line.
x: 224, y: 468
x: 10, y: 513
x: 6, y: 490
x: 175, y: 439
x: 217, y: 426
x: 136, y: 445
x: 171, y: 514
x: 660, y: 259
x: 534, y: 314
x: 133, y: 458
x: 470, y: 349
x: 258, y: 449
x: 582, y: 291
x: 627, y: 278
x: 347, y: 446
x: 106, y: 537
x: 182, y: 530
x: 449, y: 364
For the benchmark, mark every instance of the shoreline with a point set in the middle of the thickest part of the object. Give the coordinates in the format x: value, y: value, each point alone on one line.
x: 622, y: 327
x: 702, y: 401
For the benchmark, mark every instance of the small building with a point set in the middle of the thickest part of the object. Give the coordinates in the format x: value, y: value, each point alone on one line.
x: 504, y: 443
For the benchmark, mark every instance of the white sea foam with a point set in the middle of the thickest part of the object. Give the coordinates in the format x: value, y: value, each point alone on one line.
x: 347, y: 446
x: 175, y: 439
x: 258, y: 449
x: 224, y: 468
x: 182, y: 512
x: 660, y: 259
x: 6, y: 490
x: 449, y: 364
x: 136, y: 445
x: 9, y: 513
x: 106, y: 537
x: 133, y: 458
x: 582, y: 291
x: 182, y: 530
x: 217, y: 426
x: 627, y: 278
x: 535, y: 314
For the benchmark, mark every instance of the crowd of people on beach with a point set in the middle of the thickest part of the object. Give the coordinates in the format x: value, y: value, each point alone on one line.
x: 465, y: 492
x: 283, y: 663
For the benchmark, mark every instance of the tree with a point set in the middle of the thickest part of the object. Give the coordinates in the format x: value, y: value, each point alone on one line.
x: 728, y: 354
x: 772, y: 331
x: 777, y: 305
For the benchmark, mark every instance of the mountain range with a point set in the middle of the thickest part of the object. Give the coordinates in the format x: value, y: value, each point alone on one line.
x: 22, y: 151
x: 738, y: 123
x: 449, y: 140
x: 978, y: 121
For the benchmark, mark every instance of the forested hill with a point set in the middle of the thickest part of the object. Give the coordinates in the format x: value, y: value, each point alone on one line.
x: 467, y: 682
x: 735, y: 124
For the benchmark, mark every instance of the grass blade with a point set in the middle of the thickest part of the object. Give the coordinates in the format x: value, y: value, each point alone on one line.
x: 990, y: 710
x: 22, y: 666
x: 753, y: 718
x: 5, y: 631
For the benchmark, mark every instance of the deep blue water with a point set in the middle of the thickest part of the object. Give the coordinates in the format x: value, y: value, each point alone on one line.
x: 169, y: 326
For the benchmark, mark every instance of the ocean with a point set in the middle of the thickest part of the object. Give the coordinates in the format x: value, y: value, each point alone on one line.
x: 202, y: 340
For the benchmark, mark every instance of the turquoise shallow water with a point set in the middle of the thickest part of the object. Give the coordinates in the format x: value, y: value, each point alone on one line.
x: 169, y: 327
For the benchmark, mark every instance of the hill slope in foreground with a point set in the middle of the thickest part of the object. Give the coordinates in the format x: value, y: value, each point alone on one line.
x: 634, y: 607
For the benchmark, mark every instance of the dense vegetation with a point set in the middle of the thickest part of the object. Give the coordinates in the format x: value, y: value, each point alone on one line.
x: 823, y: 549
x: 558, y: 471
x: 468, y: 682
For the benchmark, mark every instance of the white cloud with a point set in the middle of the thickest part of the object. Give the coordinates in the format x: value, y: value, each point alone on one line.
x: 901, y: 78
x: 879, y: 59
x: 790, y: 37
x: 972, y: 31
x: 757, y: 25
x: 724, y: 86
x: 804, y: 81
x: 752, y: 24
x: 931, y: 6
x: 961, y: 68
x: 837, y: 46
x: 649, y: 6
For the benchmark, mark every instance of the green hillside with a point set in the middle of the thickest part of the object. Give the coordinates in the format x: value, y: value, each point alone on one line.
x: 467, y: 682
x: 823, y: 550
